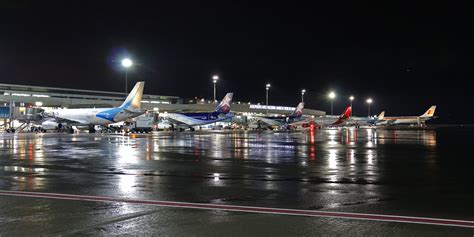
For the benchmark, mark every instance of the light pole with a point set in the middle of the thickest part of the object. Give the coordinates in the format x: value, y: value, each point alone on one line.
x: 214, y: 80
x: 332, y: 95
x: 369, y: 101
x: 351, y: 98
x: 302, y: 95
x: 126, y: 63
x: 267, y: 88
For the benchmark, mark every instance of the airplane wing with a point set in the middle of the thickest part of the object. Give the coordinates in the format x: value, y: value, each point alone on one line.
x: 300, y: 121
x: 267, y: 121
x: 71, y: 121
x: 325, y: 121
x: 182, y: 119
x: 361, y: 121
x: 135, y: 111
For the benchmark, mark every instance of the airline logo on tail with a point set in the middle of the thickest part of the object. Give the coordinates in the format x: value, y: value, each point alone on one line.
x: 430, y: 112
x: 135, y: 97
x: 224, y: 106
x: 299, y: 110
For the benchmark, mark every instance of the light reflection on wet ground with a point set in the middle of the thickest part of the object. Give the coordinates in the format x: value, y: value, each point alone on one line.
x: 405, y: 172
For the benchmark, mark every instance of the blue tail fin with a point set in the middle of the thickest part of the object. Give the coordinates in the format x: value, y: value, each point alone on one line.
x: 134, y: 99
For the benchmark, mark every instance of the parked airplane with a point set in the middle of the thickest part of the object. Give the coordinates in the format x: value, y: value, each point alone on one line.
x: 420, y: 120
x: 277, y: 121
x: 365, y: 121
x: 96, y: 116
x: 328, y: 121
x: 189, y: 120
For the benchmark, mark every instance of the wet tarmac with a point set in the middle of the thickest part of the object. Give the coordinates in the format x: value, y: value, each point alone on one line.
x: 401, y: 172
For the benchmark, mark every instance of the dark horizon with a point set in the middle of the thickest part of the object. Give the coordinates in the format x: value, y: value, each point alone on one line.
x: 405, y: 57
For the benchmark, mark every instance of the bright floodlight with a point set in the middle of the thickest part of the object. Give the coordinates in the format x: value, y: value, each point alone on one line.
x: 303, y: 91
x: 351, y: 98
x: 215, y: 78
x: 369, y: 100
x: 127, y: 62
x: 268, y: 85
x: 332, y: 95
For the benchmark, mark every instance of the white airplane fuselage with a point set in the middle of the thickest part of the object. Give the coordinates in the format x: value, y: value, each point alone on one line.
x: 188, y: 121
x: 429, y: 114
x: 404, y: 120
x: 327, y: 121
x: 96, y: 116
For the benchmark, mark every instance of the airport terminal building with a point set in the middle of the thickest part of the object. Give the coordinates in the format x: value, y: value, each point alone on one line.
x: 17, y: 100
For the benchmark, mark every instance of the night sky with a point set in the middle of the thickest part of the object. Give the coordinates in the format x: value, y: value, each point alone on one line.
x: 403, y: 55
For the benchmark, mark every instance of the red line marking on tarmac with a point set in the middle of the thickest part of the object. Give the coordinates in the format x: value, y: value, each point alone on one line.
x: 250, y: 209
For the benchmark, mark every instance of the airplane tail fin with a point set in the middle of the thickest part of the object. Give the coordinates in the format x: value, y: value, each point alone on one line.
x: 344, y: 116
x: 430, y: 112
x: 134, y: 99
x: 347, y: 113
x: 224, y: 106
x: 299, y: 110
x: 381, y: 116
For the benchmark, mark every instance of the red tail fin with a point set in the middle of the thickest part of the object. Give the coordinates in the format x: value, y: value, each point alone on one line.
x: 344, y: 116
x: 347, y: 113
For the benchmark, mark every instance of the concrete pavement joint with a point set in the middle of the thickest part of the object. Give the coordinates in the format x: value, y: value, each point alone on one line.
x: 248, y: 209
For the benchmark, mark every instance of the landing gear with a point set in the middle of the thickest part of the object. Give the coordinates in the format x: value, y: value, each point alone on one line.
x: 191, y: 129
x: 91, y: 129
